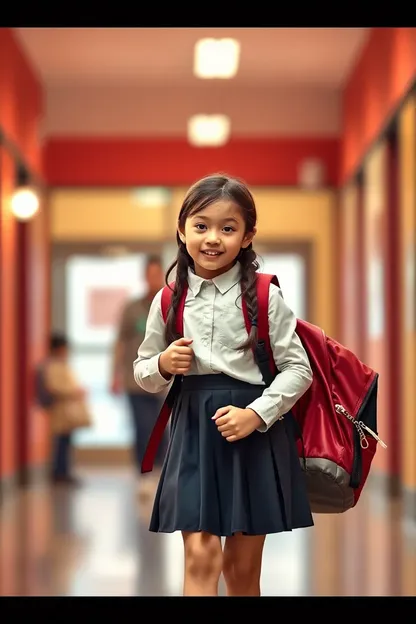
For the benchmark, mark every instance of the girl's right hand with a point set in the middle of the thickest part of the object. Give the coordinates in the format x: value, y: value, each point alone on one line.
x: 177, y: 358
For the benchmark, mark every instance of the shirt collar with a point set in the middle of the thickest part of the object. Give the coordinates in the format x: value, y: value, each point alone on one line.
x: 222, y: 282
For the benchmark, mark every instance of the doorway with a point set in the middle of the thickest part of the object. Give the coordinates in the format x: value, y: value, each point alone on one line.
x: 89, y: 289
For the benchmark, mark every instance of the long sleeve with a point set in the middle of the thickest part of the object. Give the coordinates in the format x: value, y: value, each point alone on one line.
x: 146, y: 365
x: 295, y: 375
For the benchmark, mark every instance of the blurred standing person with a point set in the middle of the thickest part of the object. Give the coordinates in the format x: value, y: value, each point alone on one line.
x: 144, y: 406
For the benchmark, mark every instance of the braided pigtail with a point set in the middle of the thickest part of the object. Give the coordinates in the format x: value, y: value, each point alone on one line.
x: 249, y: 266
x: 182, y: 263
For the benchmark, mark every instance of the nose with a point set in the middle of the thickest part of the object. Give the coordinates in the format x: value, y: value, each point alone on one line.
x: 212, y: 237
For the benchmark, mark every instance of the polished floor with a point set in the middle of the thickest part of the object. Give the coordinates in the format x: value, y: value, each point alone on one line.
x: 93, y: 541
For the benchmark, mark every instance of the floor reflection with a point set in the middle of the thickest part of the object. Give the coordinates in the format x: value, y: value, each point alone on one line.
x: 93, y: 541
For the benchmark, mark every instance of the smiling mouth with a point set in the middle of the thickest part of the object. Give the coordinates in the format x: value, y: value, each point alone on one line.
x: 211, y: 253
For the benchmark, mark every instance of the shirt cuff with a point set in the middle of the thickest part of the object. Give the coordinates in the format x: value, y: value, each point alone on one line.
x: 268, y: 410
x: 152, y: 371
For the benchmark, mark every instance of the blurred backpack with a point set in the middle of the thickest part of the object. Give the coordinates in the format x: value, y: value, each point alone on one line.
x: 336, y: 418
x: 43, y: 397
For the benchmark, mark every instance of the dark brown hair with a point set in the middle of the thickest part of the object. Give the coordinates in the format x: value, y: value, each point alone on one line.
x: 203, y: 193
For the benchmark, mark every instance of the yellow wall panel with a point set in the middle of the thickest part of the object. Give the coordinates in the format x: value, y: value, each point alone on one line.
x: 102, y: 215
x: 284, y: 216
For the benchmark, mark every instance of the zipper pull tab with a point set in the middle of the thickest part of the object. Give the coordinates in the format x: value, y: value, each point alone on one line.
x: 375, y: 436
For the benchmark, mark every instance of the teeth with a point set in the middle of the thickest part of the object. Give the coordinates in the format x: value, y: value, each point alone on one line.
x: 212, y: 253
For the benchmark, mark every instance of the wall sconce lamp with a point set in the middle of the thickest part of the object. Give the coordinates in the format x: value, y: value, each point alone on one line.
x: 25, y: 201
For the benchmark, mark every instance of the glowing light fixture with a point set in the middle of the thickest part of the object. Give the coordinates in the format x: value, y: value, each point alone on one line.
x: 25, y: 201
x: 25, y: 204
x: 216, y: 58
x: 208, y: 130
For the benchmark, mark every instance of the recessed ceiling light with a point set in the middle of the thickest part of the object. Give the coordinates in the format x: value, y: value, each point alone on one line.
x: 216, y: 58
x: 209, y: 130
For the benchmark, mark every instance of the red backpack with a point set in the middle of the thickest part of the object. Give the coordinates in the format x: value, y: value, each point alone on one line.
x: 336, y: 418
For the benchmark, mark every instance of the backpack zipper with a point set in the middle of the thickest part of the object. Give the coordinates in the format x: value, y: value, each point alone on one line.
x: 360, y: 425
x: 360, y: 442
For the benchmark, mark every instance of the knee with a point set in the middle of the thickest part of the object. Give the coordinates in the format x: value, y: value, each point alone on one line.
x: 203, y: 559
x: 240, y: 571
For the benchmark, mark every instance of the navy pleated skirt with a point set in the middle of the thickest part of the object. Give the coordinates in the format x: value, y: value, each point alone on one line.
x: 254, y: 486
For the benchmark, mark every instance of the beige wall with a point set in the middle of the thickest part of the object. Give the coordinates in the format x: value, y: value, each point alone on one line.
x: 375, y: 235
x: 289, y: 216
x: 350, y: 268
x: 407, y: 186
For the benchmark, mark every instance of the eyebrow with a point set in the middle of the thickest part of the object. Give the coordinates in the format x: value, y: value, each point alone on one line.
x: 200, y: 216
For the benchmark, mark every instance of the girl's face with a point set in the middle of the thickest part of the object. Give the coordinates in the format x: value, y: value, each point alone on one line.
x: 214, y: 237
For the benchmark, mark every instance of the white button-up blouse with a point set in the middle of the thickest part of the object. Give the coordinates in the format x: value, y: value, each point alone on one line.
x: 217, y: 326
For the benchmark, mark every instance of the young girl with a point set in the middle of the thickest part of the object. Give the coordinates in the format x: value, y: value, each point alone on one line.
x: 232, y: 469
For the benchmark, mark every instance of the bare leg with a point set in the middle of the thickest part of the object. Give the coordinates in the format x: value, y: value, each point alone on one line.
x: 203, y: 564
x: 242, y: 564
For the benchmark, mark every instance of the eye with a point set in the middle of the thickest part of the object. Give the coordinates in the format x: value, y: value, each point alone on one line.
x: 228, y: 229
x: 200, y: 226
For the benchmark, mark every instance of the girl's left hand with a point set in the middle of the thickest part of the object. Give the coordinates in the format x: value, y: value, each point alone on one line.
x: 235, y: 423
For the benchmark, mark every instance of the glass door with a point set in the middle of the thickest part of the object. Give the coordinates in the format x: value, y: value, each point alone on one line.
x: 96, y: 288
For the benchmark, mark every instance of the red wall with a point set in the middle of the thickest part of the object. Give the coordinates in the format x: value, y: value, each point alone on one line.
x: 8, y: 326
x: 385, y: 70
x: 23, y: 259
x: 21, y: 103
x: 120, y: 161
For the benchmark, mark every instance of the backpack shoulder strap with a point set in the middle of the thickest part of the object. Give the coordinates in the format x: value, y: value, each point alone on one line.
x: 166, y: 299
x: 264, y: 349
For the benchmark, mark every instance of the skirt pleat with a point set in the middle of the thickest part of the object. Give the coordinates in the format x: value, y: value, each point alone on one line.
x: 254, y: 486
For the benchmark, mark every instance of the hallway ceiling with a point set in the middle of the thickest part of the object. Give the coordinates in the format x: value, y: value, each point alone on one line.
x: 158, y: 55
x: 72, y: 62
